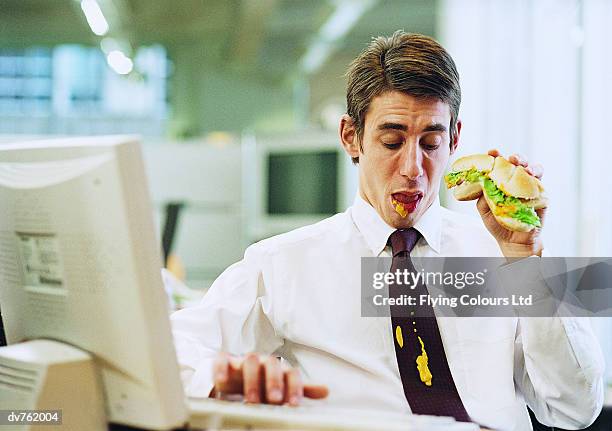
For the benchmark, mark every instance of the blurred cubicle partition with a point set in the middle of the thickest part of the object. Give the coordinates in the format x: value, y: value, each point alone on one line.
x: 206, y: 179
x: 245, y: 189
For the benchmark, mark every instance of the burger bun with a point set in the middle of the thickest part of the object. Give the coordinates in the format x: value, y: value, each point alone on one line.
x: 467, y: 191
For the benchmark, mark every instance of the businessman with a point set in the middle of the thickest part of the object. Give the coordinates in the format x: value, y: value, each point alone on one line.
x: 297, y: 295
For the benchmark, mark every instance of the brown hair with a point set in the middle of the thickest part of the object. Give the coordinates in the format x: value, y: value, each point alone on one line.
x: 410, y: 63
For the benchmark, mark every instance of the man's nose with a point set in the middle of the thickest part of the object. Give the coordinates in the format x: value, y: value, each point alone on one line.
x: 411, y: 163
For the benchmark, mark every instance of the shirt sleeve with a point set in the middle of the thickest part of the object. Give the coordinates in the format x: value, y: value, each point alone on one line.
x: 234, y: 317
x: 559, y: 366
x: 558, y: 363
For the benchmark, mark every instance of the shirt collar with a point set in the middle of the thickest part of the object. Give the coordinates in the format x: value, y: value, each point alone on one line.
x: 376, y: 232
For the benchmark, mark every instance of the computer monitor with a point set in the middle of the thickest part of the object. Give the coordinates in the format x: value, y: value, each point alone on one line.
x: 294, y: 180
x: 302, y: 182
x: 80, y: 264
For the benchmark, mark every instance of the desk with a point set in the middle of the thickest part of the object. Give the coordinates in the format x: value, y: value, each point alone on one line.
x: 601, y: 424
x: 126, y: 428
x: 210, y: 414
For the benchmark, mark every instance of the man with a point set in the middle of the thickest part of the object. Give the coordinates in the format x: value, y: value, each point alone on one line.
x: 297, y: 295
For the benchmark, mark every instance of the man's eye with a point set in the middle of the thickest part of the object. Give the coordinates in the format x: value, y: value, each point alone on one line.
x: 431, y: 143
x: 392, y: 146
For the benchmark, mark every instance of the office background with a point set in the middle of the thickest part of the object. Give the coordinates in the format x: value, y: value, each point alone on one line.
x: 238, y: 102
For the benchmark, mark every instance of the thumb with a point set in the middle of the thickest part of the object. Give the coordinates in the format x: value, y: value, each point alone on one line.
x: 316, y: 391
x: 488, y: 218
x: 483, y: 206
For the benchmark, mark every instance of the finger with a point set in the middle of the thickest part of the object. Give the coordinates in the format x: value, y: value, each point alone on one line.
x: 494, y: 152
x: 221, y: 369
x: 274, y: 380
x: 294, y: 390
x: 517, y: 159
x: 315, y: 391
x: 536, y: 170
x: 232, y: 384
x: 251, y: 376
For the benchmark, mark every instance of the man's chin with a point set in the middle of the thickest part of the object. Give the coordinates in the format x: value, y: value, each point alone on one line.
x: 398, y: 222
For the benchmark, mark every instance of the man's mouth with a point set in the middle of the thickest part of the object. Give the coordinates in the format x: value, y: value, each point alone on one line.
x: 405, y: 203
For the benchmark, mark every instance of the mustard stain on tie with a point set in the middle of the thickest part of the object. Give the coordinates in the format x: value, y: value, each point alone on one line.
x: 399, y: 337
x: 399, y: 208
x: 422, y: 365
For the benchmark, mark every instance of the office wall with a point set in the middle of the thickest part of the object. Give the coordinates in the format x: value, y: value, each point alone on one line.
x: 206, y: 97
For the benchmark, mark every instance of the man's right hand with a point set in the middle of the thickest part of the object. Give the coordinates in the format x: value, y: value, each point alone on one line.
x: 261, y: 379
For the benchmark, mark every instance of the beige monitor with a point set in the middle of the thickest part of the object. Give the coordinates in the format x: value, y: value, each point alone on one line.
x: 80, y: 264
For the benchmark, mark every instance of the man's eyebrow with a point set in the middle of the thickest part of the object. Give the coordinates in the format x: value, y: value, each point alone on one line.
x: 435, y: 127
x: 392, y: 126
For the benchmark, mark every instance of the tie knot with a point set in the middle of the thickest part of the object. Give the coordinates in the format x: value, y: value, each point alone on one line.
x: 404, y: 240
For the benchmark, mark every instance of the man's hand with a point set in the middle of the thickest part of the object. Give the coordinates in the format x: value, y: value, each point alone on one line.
x: 261, y: 379
x: 514, y: 244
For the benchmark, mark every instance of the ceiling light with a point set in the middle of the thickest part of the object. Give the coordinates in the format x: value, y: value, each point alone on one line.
x: 338, y: 25
x: 119, y: 62
x: 95, y: 17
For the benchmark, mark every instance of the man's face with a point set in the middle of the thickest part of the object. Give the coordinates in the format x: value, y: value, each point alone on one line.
x: 405, y: 150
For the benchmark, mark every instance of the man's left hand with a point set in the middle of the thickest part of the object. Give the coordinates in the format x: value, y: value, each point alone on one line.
x: 514, y: 244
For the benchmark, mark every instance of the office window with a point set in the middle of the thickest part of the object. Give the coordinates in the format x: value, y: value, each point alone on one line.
x: 85, y: 84
x: 26, y: 78
x: 70, y: 89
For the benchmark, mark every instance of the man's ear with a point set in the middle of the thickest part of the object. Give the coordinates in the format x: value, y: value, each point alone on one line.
x: 455, y: 142
x: 348, y: 136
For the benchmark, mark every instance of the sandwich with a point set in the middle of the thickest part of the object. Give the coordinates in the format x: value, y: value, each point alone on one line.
x: 511, y: 192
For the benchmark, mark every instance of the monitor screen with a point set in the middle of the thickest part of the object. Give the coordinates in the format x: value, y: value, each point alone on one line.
x: 302, y: 183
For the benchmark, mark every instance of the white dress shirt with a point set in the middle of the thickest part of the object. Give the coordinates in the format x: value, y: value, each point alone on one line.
x: 298, y: 295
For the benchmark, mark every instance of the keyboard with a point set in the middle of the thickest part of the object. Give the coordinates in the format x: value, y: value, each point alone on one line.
x: 214, y: 414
